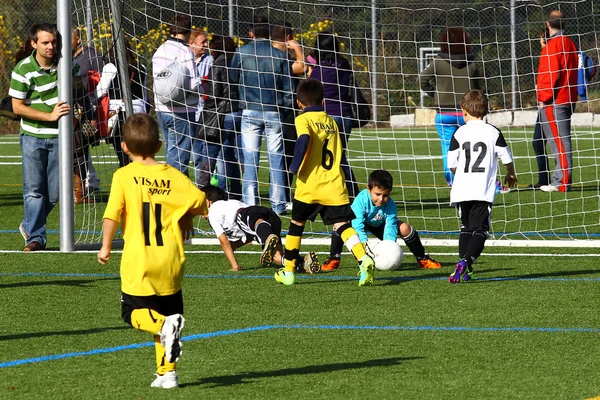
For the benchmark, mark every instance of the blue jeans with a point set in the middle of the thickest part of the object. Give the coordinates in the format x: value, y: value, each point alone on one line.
x: 199, y: 156
x: 255, y: 124
x: 446, y: 125
x: 345, y: 127
x: 177, y: 130
x: 231, y: 157
x: 40, y: 184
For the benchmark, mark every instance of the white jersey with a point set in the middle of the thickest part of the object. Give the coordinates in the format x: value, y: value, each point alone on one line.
x: 474, y: 151
x: 222, y: 217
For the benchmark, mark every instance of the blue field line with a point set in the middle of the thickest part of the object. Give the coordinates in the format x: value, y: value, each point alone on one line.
x: 425, y: 328
x: 527, y: 234
x: 325, y: 277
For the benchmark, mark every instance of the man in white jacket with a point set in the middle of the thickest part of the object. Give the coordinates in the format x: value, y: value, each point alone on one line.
x: 176, y: 116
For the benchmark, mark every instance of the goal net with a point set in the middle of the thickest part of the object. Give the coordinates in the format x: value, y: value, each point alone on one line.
x: 388, y: 44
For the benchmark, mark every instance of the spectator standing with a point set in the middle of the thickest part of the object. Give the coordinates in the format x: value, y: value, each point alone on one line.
x: 110, y: 85
x: 88, y: 60
x: 217, y: 104
x: 335, y: 72
x: 539, y: 140
x: 557, y: 95
x: 177, y: 118
x: 33, y: 79
x: 282, y: 37
x: 263, y: 74
x: 204, y: 60
x: 447, y: 78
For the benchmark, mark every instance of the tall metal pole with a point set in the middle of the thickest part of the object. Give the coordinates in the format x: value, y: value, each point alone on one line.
x: 231, y: 19
x: 513, y: 55
x: 89, y: 37
x: 65, y: 129
x: 374, y: 59
x: 122, y: 67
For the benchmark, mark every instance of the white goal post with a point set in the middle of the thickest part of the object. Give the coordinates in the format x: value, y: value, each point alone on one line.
x: 388, y: 43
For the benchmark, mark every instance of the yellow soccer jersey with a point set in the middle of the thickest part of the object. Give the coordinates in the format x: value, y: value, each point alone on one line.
x: 153, y: 199
x: 320, y: 178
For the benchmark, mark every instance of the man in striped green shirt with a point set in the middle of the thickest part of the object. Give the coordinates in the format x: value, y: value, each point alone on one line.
x: 34, y: 92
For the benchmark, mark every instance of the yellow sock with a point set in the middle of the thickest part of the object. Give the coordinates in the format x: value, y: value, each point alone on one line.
x: 147, y: 320
x: 162, y: 365
x: 353, y: 243
x: 291, y: 243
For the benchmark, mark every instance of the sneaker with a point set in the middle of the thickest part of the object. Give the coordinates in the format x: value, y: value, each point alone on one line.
x: 549, y: 188
x: 428, y: 263
x: 367, y: 267
x: 500, y: 188
x: 287, y: 278
x: 331, y: 264
x: 468, y: 275
x: 536, y: 186
x: 23, y: 232
x: 167, y: 381
x: 170, y: 335
x: 311, y: 263
x: 268, y: 255
x: 459, y: 270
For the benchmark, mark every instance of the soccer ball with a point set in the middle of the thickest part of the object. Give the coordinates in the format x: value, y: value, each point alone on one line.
x: 387, y: 255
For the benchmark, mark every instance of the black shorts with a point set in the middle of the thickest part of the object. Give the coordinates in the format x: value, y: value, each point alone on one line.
x: 165, y: 305
x: 378, y: 231
x: 247, y: 217
x: 475, y: 215
x: 329, y: 214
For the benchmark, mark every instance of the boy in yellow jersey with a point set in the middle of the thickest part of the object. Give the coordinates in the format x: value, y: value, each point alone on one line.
x: 320, y: 185
x: 154, y: 200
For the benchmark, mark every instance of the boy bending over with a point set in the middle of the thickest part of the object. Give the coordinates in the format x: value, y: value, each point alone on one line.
x: 237, y: 224
x: 376, y: 212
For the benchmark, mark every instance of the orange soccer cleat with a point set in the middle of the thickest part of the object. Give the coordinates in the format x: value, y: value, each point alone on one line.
x: 331, y: 264
x: 428, y: 263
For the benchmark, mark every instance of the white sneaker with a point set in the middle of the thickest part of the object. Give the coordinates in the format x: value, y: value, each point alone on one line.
x: 167, y: 381
x: 549, y: 188
x: 170, y: 335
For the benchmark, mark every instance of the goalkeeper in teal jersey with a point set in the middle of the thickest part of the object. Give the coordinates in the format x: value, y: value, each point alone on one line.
x: 376, y: 212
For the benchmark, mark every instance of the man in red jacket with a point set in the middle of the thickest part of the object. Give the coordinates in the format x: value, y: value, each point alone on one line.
x: 557, y: 94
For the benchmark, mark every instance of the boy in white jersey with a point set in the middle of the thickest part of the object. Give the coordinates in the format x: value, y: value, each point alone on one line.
x: 236, y: 224
x: 474, y: 150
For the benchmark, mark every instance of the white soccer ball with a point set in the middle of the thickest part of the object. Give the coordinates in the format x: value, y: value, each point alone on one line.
x: 387, y: 255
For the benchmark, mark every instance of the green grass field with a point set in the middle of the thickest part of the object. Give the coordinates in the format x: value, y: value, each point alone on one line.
x: 527, y: 327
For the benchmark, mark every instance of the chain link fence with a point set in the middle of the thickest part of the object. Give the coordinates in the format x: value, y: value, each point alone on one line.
x: 385, y: 59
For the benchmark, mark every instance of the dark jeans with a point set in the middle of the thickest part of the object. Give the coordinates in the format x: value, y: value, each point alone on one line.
x: 345, y: 127
x: 229, y: 151
x: 541, y: 155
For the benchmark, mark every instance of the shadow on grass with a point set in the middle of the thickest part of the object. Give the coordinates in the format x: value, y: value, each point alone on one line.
x: 539, y: 275
x: 63, y: 333
x: 438, y: 275
x: 247, y: 377
x: 70, y: 282
x: 11, y: 199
